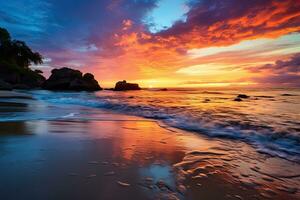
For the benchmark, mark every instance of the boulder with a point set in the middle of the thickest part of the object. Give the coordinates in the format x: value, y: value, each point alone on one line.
x: 243, y: 96
x: 76, y: 85
x: 5, y: 86
x: 206, y: 100
x: 123, y: 86
x: 288, y: 95
x: 70, y: 79
x: 91, y: 82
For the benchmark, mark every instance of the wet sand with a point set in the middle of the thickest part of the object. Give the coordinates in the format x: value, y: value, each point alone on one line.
x: 134, y: 159
x: 124, y: 157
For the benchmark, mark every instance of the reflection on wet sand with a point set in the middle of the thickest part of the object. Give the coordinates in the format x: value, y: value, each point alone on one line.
x: 135, y: 159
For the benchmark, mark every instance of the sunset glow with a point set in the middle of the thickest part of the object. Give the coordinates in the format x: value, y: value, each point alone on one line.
x: 165, y: 43
x: 150, y: 99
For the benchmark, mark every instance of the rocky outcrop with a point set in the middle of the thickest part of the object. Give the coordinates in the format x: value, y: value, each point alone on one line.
x: 243, y: 96
x: 72, y: 80
x: 123, y: 86
x: 240, y: 97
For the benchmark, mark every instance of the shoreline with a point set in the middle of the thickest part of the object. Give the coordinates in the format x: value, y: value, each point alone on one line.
x: 117, y: 156
x: 137, y: 159
x: 266, y: 136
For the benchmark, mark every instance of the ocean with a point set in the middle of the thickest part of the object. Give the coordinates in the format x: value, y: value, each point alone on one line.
x: 269, y: 119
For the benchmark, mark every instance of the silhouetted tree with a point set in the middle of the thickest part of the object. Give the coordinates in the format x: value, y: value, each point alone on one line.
x: 15, y: 59
x: 4, y: 35
x: 16, y: 52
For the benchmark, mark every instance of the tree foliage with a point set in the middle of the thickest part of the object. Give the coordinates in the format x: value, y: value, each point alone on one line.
x: 15, y: 52
x: 4, y: 35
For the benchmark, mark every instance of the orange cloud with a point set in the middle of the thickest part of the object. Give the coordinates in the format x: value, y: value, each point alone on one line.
x: 139, y: 54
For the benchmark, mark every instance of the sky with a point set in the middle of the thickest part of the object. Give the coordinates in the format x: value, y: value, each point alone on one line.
x: 164, y: 43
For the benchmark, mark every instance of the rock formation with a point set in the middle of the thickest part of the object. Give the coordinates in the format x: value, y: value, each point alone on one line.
x: 123, y: 86
x: 72, y: 80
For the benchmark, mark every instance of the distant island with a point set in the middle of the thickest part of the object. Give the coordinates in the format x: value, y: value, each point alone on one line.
x: 15, y: 73
x: 123, y: 85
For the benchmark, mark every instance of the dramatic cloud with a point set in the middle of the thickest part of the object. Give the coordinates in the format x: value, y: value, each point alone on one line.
x: 288, y: 80
x: 208, y: 23
x: 219, y: 22
x: 291, y: 65
x: 130, y: 39
x: 285, y: 72
x: 26, y: 19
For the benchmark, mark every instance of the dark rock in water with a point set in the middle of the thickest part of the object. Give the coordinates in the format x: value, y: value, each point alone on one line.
x: 263, y: 96
x: 88, y: 77
x: 5, y: 86
x: 92, y: 84
x: 243, y: 96
x: 70, y: 79
x: 109, y: 88
x: 206, y: 100
x: 238, y: 99
x: 123, y: 86
x: 288, y: 95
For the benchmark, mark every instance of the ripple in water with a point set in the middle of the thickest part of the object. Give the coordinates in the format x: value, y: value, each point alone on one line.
x: 269, y: 119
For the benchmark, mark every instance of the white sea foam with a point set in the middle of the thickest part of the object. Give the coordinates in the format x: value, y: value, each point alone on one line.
x: 271, y: 124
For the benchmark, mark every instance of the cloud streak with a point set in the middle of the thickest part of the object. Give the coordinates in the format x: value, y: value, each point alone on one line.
x: 292, y: 65
x: 286, y: 72
x: 112, y: 39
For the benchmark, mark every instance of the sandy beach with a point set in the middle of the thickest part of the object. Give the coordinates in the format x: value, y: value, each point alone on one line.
x: 125, y: 157
x: 149, y: 100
